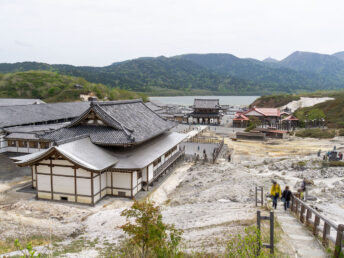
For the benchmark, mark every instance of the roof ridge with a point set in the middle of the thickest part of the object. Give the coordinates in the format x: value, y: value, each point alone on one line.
x: 116, y: 102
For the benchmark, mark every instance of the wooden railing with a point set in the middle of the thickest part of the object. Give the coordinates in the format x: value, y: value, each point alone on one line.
x: 313, y: 219
x: 168, y: 163
x: 217, y: 151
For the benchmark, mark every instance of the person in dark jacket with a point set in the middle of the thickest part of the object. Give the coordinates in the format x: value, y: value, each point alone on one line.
x: 286, y: 196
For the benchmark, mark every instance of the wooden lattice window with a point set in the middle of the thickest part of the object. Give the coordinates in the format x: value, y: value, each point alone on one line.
x: 44, y: 145
x: 33, y: 145
x: 12, y: 143
x: 22, y: 144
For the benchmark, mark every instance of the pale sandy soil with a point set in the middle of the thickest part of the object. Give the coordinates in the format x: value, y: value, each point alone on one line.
x: 209, y: 202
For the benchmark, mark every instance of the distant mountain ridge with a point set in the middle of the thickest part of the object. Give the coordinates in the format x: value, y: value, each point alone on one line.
x: 202, y: 74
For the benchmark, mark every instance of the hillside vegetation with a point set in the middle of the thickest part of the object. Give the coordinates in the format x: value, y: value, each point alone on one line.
x: 332, y: 110
x: 206, y: 74
x: 274, y: 101
x: 54, y: 87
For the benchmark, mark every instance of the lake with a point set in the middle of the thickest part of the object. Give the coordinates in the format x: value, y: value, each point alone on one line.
x: 189, y: 100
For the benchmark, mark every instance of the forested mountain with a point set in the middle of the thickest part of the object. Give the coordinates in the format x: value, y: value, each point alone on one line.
x: 270, y: 60
x: 339, y: 55
x: 209, y: 74
x: 53, y: 87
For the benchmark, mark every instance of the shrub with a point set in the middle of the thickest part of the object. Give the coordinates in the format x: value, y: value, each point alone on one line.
x: 341, y: 132
x: 316, y: 133
x: 148, y: 233
x: 336, y: 164
x: 246, y: 245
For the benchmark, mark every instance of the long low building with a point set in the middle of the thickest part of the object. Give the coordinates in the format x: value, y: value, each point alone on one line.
x: 21, y: 125
x: 114, y: 148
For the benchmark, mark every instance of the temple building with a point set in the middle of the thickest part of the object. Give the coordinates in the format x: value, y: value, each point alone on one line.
x: 267, y: 116
x: 205, y: 111
x: 115, y: 148
x: 21, y: 123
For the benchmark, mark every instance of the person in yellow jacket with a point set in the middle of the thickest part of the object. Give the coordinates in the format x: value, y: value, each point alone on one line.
x: 275, y: 193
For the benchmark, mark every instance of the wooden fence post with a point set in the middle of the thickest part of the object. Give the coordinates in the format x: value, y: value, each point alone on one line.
x: 326, y: 231
x: 259, y: 236
x: 302, y: 213
x: 261, y: 195
x: 256, y: 196
x: 271, y: 232
x: 338, y: 246
x: 308, y: 216
x: 316, y: 224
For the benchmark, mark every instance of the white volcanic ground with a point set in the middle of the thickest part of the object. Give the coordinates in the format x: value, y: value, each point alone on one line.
x: 305, y: 102
x: 209, y: 202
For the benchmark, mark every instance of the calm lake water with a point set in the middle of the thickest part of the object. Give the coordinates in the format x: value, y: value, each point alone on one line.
x: 224, y: 100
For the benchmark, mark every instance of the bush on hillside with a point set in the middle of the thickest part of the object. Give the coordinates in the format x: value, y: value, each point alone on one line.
x: 316, y: 133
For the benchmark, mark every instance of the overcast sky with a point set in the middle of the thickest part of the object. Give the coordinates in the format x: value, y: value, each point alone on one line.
x: 100, y: 32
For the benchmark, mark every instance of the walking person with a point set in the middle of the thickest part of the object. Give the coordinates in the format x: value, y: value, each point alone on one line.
x: 304, y: 189
x: 286, y: 197
x: 275, y: 193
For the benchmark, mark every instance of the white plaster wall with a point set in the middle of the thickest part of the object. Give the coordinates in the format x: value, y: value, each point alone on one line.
x: 103, y: 180
x: 12, y: 149
x: 144, y: 174
x: 134, y: 179
x: 43, y: 183
x: 43, y: 169
x: 150, y: 172
x: 108, y: 179
x: 63, y: 171
x: 23, y: 150
x: 83, y: 172
x: 121, y: 180
x: 96, y: 184
x: 63, y: 184
x: 83, y: 186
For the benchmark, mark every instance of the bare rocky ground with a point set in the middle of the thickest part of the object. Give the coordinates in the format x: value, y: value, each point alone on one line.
x: 209, y: 202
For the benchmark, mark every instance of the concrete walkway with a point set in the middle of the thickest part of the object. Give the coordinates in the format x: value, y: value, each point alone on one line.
x: 300, y: 238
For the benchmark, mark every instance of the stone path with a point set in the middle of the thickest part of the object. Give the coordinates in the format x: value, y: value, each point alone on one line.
x: 300, y: 238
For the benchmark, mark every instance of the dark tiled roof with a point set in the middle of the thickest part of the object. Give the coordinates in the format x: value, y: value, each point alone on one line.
x: 125, y: 122
x: 30, y: 114
x: 17, y: 102
x: 98, y: 134
x: 35, y: 128
x: 207, y: 103
x: 204, y: 114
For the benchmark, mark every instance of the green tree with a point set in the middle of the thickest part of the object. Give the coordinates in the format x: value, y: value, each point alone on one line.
x: 316, y: 114
x: 148, y: 232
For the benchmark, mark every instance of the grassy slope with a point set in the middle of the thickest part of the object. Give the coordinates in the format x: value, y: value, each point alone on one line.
x: 53, y: 87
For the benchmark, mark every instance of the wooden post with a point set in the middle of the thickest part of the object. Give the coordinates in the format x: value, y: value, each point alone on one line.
x: 326, y: 231
x: 296, y: 207
x: 271, y: 232
x: 292, y: 204
x: 308, y: 216
x: 302, y: 217
x: 316, y: 224
x: 258, y: 227
x: 261, y: 195
x: 338, y: 246
x: 256, y: 196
